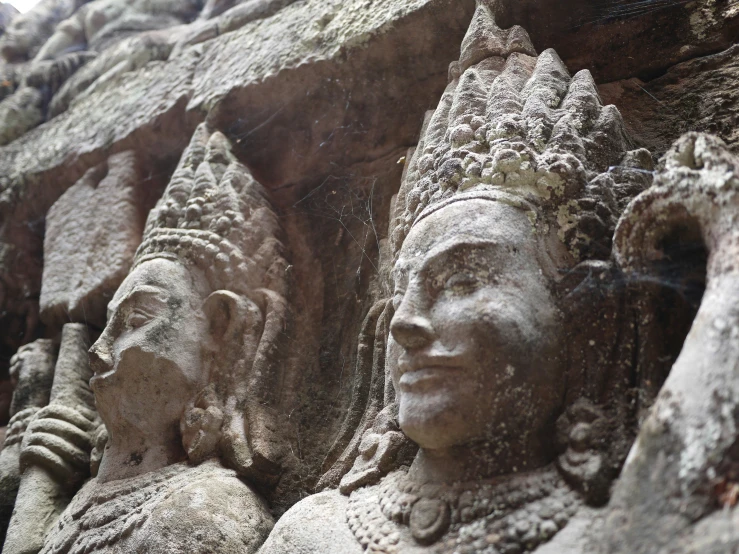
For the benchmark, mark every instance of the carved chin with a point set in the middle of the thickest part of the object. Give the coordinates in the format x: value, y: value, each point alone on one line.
x: 434, y: 420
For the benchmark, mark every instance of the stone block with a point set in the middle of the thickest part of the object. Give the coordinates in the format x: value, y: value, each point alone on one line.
x: 92, y: 233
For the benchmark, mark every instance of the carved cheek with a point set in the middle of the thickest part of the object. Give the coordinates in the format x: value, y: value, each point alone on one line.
x: 469, y: 322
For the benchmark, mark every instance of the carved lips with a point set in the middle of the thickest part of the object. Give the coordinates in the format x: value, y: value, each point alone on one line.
x: 426, y: 377
x: 422, y: 371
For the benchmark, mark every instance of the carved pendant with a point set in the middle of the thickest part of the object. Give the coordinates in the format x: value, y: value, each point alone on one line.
x: 429, y: 521
x: 515, y: 514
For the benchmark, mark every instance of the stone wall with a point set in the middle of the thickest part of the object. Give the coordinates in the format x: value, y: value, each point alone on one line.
x: 231, y: 202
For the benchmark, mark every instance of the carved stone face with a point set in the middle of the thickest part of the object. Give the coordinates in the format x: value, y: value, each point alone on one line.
x: 17, y: 39
x: 100, y: 13
x: 149, y: 361
x: 475, y: 340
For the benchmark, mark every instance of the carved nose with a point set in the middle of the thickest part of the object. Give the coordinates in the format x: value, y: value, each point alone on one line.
x: 412, y: 331
x: 100, y: 357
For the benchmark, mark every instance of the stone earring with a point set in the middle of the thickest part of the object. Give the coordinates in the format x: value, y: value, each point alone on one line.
x: 201, y: 426
x: 383, y: 448
x: 583, y: 434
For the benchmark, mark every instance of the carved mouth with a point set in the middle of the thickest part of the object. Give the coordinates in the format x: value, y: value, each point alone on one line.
x: 420, y: 379
x: 411, y: 363
x: 100, y: 376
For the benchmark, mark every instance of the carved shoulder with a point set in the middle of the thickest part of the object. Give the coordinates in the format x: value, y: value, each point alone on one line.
x: 178, y: 510
x: 315, y: 524
x: 216, y: 514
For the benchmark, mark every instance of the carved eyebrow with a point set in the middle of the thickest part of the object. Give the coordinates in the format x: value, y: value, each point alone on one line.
x: 448, y: 249
x: 142, y: 291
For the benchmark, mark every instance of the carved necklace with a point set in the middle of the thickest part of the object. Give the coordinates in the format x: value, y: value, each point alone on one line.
x: 509, y: 515
x: 102, y: 515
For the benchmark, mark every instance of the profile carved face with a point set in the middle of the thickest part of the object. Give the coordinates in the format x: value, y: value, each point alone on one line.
x: 476, y: 339
x: 100, y: 14
x: 159, y: 347
x: 16, y: 40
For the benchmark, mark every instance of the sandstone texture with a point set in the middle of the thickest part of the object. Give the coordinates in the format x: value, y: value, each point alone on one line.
x: 387, y: 276
x: 88, y: 251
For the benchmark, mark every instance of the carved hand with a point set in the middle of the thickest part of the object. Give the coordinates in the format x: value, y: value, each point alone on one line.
x: 60, y: 439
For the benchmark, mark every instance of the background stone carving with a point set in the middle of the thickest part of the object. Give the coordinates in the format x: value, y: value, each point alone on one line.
x: 184, y: 380
x: 32, y: 373
x: 7, y: 13
x: 53, y: 469
x: 92, y: 233
x: 321, y: 100
x: 691, y: 432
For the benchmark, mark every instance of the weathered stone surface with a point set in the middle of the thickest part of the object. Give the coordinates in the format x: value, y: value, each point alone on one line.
x: 27, y: 32
x: 691, y: 432
x: 617, y: 39
x: 277, y: 83
x: 180, y: 509
x: 54, y: 453
x: 697, y: 95
x: 295, y: 110
x: 21, y: 111
x: 7, y: 13
x: 92, y: 233
x: 31, y: 372
x: 208, y: 72
x: 460, y: 364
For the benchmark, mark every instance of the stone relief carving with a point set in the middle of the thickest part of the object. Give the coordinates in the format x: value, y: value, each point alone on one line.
x: 100, y: 41
x: 116, y: 36
x: 183, y: 375
x: 31, y: 371
x: 511, y: 187
x: 54, y: 454
x: 7, y: 13
x: 21, y: 101
x: 26, y: 33
x: 682, y: 468
x: 222, y: 16
x: 544, y: 359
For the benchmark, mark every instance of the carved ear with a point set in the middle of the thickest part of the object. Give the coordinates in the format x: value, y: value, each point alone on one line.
x: 227, y: 314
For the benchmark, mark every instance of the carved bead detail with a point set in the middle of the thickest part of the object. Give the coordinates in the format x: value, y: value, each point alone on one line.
x: 513, y: 515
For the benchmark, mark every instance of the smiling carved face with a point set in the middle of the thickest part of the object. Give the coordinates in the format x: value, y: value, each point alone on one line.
x: 150, y: 360
x: 475, y: 345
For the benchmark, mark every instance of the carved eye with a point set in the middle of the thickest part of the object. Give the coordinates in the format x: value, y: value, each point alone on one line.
x: 461, y: 280
x: 397, y: 299
x: 136, y: 319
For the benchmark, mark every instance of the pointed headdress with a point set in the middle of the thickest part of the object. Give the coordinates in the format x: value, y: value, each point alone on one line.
x: 216, y: 217
x: 517, y: 127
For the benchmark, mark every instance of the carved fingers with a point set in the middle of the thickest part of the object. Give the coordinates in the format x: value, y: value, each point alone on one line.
x: 49, y: 75
x: 60, y: 439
